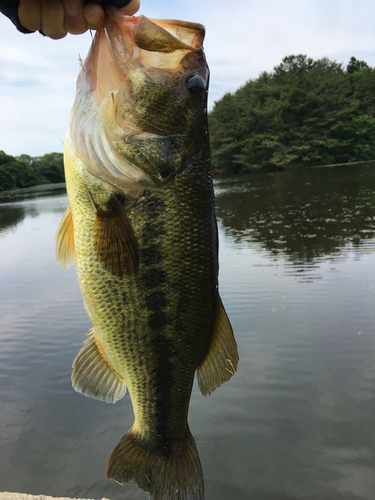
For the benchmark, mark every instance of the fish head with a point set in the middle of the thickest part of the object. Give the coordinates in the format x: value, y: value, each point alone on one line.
x: 141, y: 105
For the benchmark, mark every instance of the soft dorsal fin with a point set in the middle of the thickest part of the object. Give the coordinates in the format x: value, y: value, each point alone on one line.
x: 221, y: 360
x: 93, y: 374
x: 114, y: 240
x: 65, y: 241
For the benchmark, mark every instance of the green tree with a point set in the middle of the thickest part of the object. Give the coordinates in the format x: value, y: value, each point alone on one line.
x: 361, y: 134
x: 223, y: 121
x: 49, y: 167
x: 305, y: 112
x: 298, y: 106
x: 25, y: 171
x: 355, y: 65
x: 15, y: 173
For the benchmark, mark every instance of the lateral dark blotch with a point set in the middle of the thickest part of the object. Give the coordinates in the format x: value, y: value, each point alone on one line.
x: 163, y: 382
x: 151, y: 255
x: 152, y: 231
x: 153, y: 278
x: 156, y: 301
x: 157, y: 320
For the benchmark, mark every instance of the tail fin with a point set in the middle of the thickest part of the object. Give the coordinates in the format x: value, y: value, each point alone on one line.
x: 178, y: 477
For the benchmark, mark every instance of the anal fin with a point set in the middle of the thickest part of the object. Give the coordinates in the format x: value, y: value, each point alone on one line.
x: 93, y: 374
x: 221, y: 360
x: 65, y: 241
x: 115, y: 243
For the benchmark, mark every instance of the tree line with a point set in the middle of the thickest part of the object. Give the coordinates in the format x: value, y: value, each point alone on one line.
x: 25, y: 171
x: 303, y: 113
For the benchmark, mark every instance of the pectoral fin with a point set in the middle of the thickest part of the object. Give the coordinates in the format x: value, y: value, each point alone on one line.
x: 65, y: 241
x: 114, y: 240
x: 93, y: 374
x: 221, y: 360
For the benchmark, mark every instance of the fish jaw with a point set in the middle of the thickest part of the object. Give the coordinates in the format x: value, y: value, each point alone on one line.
x: 143, y: 79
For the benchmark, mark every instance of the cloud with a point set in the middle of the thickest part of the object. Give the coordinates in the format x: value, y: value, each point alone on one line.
x: 37, y: 87
x: 37, y: 75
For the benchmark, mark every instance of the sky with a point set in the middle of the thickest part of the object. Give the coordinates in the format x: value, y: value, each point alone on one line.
x: 243, y: 39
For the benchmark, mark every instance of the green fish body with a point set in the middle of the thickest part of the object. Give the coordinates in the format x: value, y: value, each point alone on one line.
x: 141, y: 229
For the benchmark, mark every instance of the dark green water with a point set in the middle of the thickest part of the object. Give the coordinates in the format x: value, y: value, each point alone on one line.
x: 297, y: 276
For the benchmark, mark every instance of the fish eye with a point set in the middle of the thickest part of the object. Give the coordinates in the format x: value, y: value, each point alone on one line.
x: 195, y: 85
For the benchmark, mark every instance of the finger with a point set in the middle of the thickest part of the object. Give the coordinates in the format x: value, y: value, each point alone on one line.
x: 76, y: 25
x: 74, y: 22
x: 53, y: 19
x: 30, y: 14
x: 131, y: 8
x: 72, y: 7
x: 94, y: 15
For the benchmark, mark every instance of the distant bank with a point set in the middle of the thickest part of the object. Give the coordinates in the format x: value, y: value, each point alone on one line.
x: 25, y: 171
x: 22, y: 496
x: 267, y: 168
x: 38, y: 188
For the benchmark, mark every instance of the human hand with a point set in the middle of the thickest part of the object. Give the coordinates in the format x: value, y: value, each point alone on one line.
x: 56, y: 18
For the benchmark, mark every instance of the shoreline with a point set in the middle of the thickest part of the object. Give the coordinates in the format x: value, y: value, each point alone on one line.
x: 6, y: 495
x: 218, y: 173
x: 38, y: 187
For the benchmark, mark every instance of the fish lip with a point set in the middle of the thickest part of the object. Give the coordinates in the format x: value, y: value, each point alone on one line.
x: 167, y: 36
x: 115, y: 16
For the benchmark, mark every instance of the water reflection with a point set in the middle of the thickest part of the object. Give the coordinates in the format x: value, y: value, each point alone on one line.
x: 300, y: 216
x: 14, y: 207
x: 10, y: 216
x: 34, y: 192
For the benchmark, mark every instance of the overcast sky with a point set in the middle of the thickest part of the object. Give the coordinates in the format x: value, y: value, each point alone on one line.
x: 243, y: 38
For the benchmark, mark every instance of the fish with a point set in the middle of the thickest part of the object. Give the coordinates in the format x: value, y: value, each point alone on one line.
x: 141, y: 228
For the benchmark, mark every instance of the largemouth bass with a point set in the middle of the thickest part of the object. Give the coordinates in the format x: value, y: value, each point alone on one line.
x: 141, y: 229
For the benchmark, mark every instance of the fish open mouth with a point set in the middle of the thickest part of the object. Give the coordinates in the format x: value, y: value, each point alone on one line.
x: 157, y: 43
x: 161, y: 35
x: 167, y: 36
x: 142, y: 78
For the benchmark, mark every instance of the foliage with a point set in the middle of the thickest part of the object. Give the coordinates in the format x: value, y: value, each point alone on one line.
x: 25, y: 171
x: 305, y: 112
x: 224, y: 142
x: 355, y: 65
x: 50, y: 167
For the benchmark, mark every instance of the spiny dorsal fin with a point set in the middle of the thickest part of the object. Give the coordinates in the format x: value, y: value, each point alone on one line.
x: 93, y: 374
x: 221, y: 360
x: 65, y: 241
x: 115, y: 243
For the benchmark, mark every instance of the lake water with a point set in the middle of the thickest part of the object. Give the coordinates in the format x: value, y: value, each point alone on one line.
x: 297, y: 277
